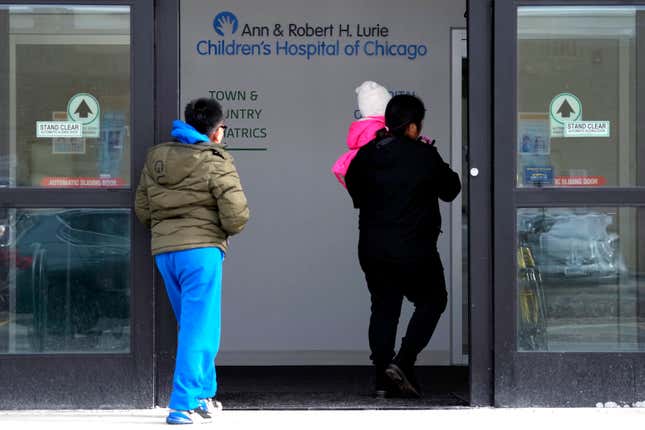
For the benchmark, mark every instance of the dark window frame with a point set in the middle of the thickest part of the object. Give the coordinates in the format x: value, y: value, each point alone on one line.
x: 480, y: 271
x: 111, y: 380
x: 167, y: 110
x: 545, y: 378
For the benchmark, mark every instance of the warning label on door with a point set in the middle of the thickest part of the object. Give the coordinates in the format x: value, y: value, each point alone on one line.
x: 580, y: 181
x: 46, y: 129
x: 586, y: 129
x: 83, y: 108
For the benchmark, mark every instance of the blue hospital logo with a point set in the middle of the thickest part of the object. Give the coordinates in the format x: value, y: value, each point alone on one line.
x: 225, y: 23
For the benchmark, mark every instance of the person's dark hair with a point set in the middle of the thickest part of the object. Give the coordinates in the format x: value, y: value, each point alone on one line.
x: 203, y: 114
x: 402, y: 110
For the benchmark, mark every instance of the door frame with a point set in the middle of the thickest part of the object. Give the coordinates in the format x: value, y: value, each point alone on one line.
x: 480, y: 233
x: 166, y: 110
x: 544, y: 378
x: 480, y: 117
x: 459, y: 52
x: 83, y: 380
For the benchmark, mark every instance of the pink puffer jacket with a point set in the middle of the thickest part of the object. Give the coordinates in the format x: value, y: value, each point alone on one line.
x: 360, y: 133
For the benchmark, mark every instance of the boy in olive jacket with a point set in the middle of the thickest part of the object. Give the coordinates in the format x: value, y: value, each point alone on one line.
x: 191, y: 197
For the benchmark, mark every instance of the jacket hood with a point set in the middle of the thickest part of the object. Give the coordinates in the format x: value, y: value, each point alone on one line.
x: 363, y: 131
x: 186, y: 133
x: 171, y: 163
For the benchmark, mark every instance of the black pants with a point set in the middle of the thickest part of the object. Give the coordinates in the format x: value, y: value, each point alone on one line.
x: 420, y: 281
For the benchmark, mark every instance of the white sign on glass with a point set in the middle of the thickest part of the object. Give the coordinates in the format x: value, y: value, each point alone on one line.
x: 564, y: 107
x: 51, y: 129
x: 587, y: 129
x: 83, y: 108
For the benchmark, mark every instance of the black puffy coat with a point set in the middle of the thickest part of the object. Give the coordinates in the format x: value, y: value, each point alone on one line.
x: 396, y: 182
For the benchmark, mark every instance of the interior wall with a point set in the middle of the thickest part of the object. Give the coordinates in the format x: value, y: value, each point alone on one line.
x: 293, y: 289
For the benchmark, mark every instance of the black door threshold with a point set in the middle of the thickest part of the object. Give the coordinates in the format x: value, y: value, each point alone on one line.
x: 333, y: 387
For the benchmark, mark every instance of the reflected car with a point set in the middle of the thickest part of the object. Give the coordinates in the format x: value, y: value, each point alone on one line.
x: 76, y: 285
x: 569, y: 245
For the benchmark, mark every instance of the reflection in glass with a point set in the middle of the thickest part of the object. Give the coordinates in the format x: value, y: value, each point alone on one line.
x: 577, y: 65
x: 64, y: 280
x: 465, y: 209
x: 579, y: 281
x: 68, y: 64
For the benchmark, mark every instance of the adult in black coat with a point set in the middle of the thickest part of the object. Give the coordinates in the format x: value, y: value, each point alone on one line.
x: 396, y: 182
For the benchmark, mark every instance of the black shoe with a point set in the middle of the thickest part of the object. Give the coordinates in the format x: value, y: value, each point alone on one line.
x: 405, y: 381
x: 383, y: 387
x: 380, y: 394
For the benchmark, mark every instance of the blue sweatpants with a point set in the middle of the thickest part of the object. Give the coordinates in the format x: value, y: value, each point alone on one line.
x: 193, y: 280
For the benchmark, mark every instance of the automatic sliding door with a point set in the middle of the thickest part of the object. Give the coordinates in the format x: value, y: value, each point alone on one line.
x: 569, y: 214
x: 70, y: 317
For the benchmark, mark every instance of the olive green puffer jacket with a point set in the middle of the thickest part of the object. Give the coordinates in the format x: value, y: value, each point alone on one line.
x: 191, y: 197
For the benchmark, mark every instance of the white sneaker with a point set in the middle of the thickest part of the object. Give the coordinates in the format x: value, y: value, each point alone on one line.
x: 211, y: 405
x: 196, y: 416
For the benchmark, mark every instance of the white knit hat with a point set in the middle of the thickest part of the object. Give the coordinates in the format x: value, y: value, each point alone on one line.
x: 372, y: 98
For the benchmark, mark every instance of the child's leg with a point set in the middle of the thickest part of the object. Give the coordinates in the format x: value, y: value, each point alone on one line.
x: 199, y: 272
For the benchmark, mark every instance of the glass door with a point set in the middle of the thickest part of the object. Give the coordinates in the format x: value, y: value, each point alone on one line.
x: 70, y: 320
x: 569, y: 140
x: 460, y: 210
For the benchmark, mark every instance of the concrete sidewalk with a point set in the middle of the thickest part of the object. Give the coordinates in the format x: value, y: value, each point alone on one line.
x: 446, y: 419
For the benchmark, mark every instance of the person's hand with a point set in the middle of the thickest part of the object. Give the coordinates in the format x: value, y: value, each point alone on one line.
x: 426, y: 139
